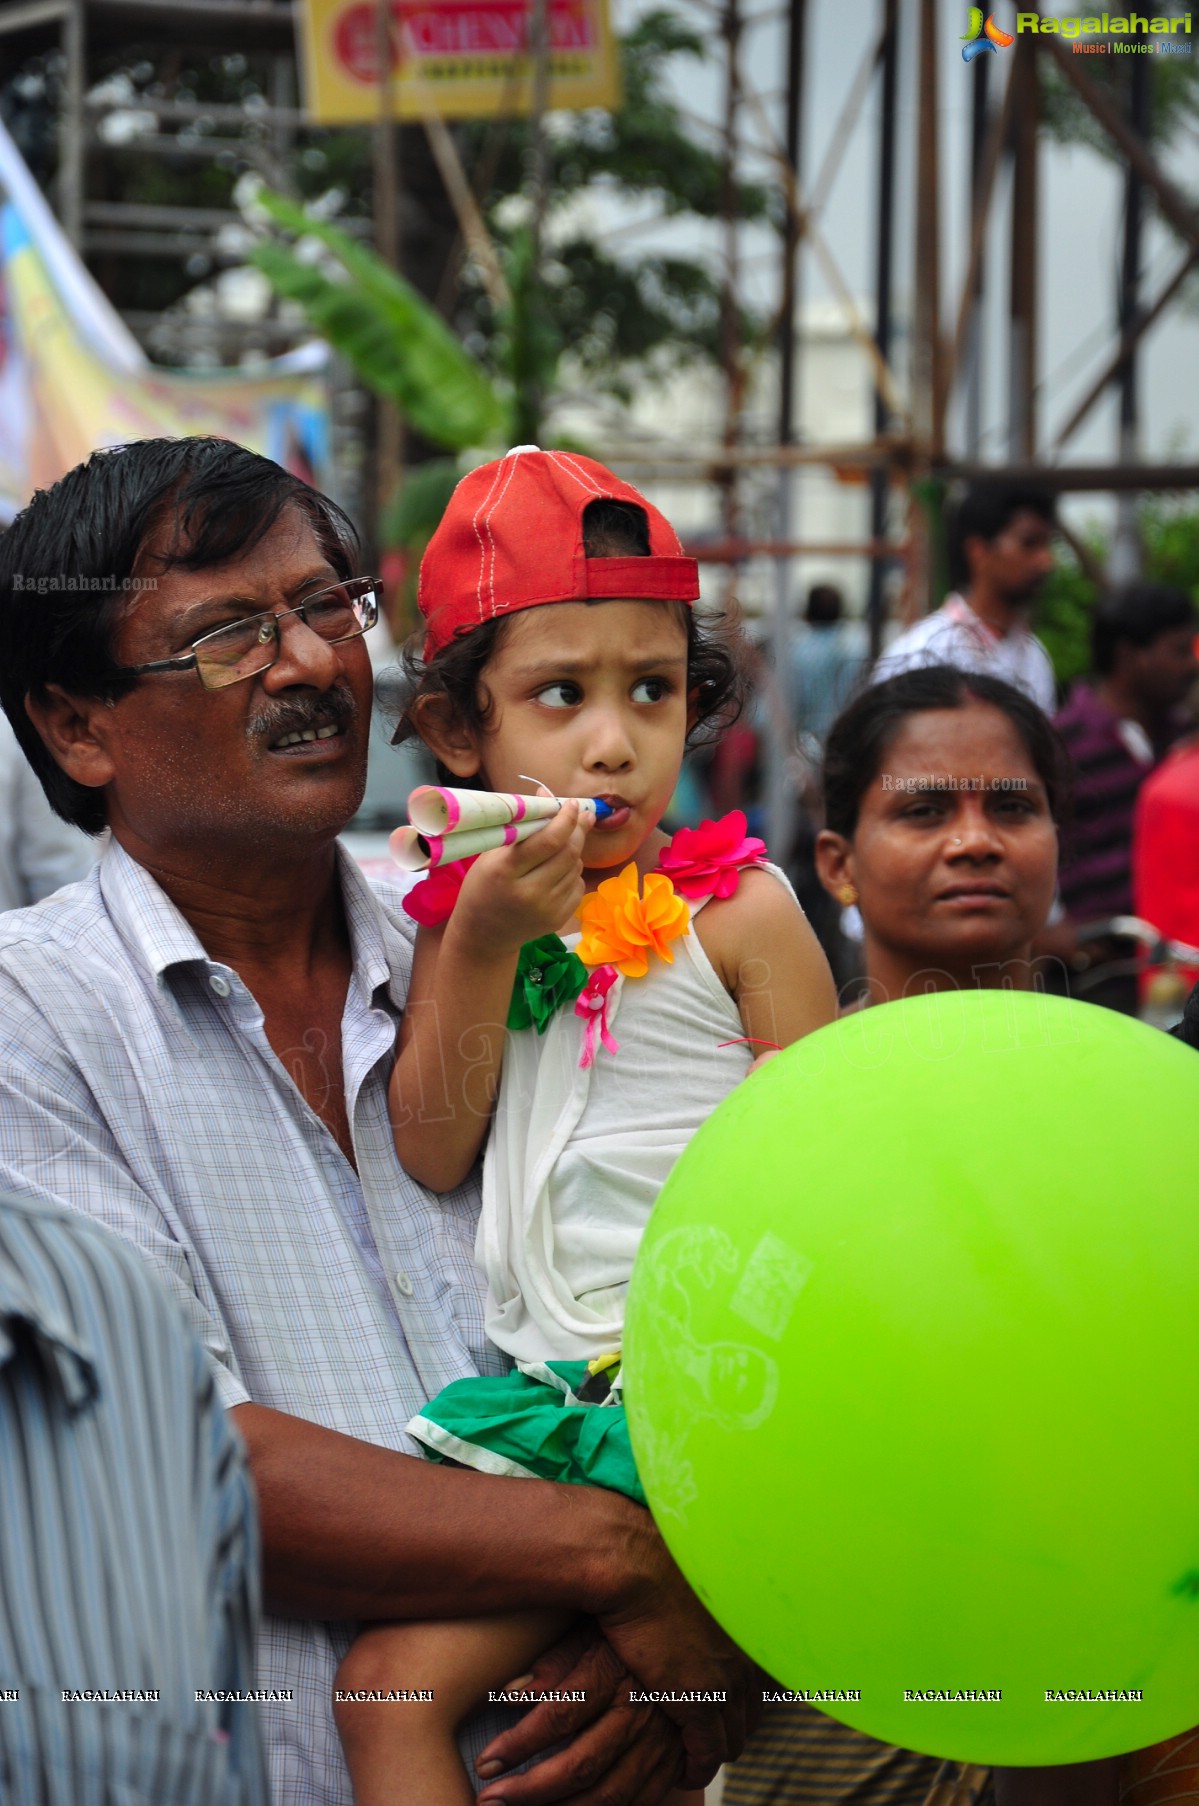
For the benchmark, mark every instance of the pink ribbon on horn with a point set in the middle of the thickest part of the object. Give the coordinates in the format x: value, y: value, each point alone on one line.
x: 591, y: 1005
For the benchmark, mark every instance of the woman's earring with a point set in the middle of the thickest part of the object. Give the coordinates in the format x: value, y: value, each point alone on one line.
x: 847, y: 896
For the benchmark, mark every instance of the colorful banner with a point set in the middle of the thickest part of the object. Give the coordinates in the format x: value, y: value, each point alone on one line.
x: 73, y: 378
x: 457, y: 58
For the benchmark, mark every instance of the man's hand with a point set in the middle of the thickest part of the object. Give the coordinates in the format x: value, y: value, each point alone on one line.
x: 518, y: 893
x: 616, y: 1751
x: 661, y: 1640
x: 664, y: 1636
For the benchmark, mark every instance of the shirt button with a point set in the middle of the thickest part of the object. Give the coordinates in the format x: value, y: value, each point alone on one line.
x: 220, y: 985
x: 403, y: 1285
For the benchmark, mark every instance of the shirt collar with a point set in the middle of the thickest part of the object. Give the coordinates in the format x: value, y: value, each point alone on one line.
x: 157, y: 934
x: 160, y: 938
x: 377, y: 950
x: 958, y: 609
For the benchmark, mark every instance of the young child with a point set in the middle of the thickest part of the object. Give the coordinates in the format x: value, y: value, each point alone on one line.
x: 562, y: 643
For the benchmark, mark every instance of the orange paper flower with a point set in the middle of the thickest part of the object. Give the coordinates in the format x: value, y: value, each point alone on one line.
x: 621, y: 927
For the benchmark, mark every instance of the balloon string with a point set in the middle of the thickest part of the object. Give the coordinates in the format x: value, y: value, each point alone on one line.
x: 750, y: 1041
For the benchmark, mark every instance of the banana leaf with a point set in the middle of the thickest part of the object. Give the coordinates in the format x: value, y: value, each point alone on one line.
x: 397, y: 343
x: 418, y: 504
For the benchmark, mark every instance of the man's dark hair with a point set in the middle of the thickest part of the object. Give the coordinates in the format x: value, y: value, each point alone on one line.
x: 72, y: 560
x: 1134, y: 616
x: 984, y: 512
x: 862, y: 734
x: 611, y: 529
x: 824, y: 605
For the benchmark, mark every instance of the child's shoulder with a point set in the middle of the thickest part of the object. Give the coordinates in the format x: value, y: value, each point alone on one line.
x: 754, y: 921
x: 763, y: 895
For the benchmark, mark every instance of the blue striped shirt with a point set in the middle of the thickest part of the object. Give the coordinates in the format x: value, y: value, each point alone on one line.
x: 128, y: 1549
x: 137, y: 1084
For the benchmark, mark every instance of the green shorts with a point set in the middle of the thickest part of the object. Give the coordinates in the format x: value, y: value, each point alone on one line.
x: 532, y: 1423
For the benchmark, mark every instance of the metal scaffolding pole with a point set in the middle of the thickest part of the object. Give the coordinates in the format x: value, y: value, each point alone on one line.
x: 927, y: 399
x: 730, y: 325
x: 1126, y: 559
x: 780, y: 803
x: 389, y: 429
x: 72, y: 126
x: 972, y: 357
x: 880, y: 479
x: 1022, y: 391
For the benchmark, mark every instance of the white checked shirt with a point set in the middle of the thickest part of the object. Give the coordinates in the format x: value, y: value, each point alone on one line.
x: 955, y: 635
x: 137, y: 1085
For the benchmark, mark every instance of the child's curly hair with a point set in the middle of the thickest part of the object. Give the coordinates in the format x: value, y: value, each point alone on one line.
x: 611, y: 529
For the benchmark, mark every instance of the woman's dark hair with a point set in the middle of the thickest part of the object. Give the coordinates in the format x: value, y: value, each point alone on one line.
x: 72, y: 561
x: 611, y: 529
x: 859, y: 738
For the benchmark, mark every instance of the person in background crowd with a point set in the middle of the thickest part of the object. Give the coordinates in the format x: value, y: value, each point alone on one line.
x: 128, y: 1543
x: 1117, y: 727
x: 1000, y: 551
x: 942, y: 792
x: 39, y: 852
x: 1165, y: 858
x: 828, y: 657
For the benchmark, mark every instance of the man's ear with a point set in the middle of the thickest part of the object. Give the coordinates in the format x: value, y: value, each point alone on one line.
x: 447, y: 738
x: 72, y: 729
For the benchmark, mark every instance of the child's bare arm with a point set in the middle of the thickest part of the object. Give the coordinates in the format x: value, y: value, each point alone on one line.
x: 443, y: 1083
x: 763, y: 946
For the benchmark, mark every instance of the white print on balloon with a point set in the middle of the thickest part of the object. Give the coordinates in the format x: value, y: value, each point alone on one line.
x: 734, y: 1384
x: 774, y: 1276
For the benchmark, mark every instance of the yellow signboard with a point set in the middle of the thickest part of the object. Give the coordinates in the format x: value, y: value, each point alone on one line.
x: 457, y: 58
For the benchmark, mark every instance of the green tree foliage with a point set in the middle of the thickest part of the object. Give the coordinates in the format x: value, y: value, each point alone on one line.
x: 639, y: 315
x: 1170, y: 537
x: 1173, y: 97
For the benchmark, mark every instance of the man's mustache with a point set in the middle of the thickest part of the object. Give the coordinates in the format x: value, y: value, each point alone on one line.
x: 336, y: 708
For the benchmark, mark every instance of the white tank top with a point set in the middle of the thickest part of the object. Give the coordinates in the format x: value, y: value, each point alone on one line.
x: 577, y: 1156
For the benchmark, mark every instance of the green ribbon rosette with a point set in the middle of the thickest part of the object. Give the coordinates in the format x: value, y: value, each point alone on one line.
x: 548, y: 975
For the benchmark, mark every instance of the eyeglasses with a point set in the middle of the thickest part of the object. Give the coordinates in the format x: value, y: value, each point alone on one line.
x: 344, y: 611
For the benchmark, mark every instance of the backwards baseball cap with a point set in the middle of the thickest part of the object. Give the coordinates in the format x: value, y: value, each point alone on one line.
x: 512, y: 538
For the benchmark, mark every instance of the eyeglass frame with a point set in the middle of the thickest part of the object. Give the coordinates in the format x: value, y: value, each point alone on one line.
x: 189, y: 661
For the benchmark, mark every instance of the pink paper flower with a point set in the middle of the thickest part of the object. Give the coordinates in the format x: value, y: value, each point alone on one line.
x: 431, y: 902
x: 708, y: 861
x: 592, y: 1005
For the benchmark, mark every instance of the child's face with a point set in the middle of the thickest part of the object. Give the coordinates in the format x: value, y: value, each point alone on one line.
x: 592, y: 699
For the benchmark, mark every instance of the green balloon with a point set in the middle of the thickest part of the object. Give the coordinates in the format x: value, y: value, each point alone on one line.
x: 912, y: 1368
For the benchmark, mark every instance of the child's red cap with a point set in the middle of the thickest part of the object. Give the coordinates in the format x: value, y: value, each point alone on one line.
x: 512, y: 538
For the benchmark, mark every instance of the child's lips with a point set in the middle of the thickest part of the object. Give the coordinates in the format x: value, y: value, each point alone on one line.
x: 619, y: 816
